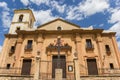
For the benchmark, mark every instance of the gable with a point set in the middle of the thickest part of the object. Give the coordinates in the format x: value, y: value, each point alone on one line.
x: 53, y: 25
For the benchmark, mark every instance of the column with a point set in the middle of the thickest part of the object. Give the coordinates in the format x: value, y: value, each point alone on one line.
x: 18, y: 51
x: 38, y: 62
x: 100, y: 51
x: 116, y: 50
x: 77, y: 71
x: 4, y: 52
x: 37, y: 68
x: 77, y: 56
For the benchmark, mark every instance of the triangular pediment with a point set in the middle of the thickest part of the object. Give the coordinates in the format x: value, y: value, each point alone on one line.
x: 53, y: 25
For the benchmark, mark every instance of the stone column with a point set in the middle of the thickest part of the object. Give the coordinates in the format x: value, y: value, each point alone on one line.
x: 77, y: 71
x: 18, y: 51
x: 116, y: 50
x: 37, y: 68
x: 100, y: 52
x: 4, y: 52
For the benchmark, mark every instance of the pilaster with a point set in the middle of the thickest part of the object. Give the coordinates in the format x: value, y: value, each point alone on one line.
x: 116, y: 50
x: 18, y: 51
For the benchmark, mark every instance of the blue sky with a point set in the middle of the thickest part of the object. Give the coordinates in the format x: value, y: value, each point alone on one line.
x: 103, y: 14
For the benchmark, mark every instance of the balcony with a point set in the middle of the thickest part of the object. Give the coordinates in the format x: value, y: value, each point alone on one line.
x: 28, y: 48
x: 89, y: 47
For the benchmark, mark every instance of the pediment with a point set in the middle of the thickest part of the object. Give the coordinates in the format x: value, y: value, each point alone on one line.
x: 53, y: 25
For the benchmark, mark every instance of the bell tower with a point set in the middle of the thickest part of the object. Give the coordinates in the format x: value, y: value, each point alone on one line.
x: 23, y: 19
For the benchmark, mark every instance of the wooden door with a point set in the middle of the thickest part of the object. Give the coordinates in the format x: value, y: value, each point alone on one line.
x: 26, y: 67
x: 92, y: 67
x: 62, y: 65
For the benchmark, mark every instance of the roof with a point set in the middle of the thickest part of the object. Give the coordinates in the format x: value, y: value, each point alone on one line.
x: 59, y: 20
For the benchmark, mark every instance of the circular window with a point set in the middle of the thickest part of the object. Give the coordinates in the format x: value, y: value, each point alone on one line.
x: 59, y: 28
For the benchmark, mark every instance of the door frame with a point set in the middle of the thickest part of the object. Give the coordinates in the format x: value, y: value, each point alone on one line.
x: 29, y: 60
x: 96, y: 66
x: 60, y: 63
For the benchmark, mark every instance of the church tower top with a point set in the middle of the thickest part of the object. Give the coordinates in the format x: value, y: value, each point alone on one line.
x: 23, y: 19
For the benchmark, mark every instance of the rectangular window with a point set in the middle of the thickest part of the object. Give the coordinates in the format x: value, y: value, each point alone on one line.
x: 88, y: 43
x: 18, y: 28
x: 12, y: 49
x: 107, y: 47
x: 29, y: 45
x: 8, y: 66
x: 111, y: 66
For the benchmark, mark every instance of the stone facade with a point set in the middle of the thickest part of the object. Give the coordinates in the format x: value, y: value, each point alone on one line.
x: 32, y: 54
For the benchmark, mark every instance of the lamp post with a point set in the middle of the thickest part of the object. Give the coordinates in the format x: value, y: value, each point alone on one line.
x: 37, y: 66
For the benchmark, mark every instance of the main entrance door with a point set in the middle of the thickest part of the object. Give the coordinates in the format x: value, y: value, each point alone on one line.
x: 26, y: 67
x: 62, y: 65
x: 92, y: 67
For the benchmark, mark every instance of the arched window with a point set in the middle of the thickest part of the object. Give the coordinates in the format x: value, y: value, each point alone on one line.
x: 59, y: 28
x: 20, y: 18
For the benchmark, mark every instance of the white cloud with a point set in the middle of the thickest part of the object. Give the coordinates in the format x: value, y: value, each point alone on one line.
x: 0, y: 48
x: 43, y: 16
x: 5, y: 15
x: 6, y: 19
x: 73, y: 13
x: 90, y: 7
x: 58, y: 7
x: 87, y: 8
x: 38, y: 2
x: 115, y: 15
x: 25, y: 2
x: 101, y: 25
x: 116, y: 28
x: 4, y: 5
x: 115, y: 18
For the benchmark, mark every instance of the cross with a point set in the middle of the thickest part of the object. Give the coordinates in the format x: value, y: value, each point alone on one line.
x: 58, y: 48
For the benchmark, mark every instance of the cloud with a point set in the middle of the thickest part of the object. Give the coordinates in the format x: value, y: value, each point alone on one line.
x: 6, y: 19
x: 4, y: 6
x: 37, y: 2
x: 5, y: 15
x: 73, y: 13
x: 101, y: 25
x: 25, y: 2
x: 58, y: 7
x: 0, y: 48
x: 90, y: 7
x: 43, y: 16
x: 115, y: 15
x: 116, y: 28
x: 117, y: 2
x: 115, y: 20
x: 87, y: 8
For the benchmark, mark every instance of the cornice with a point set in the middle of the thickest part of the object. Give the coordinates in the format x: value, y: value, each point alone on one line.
x: 11, y: 35
x: 20, y: 22
x: 74, y: 31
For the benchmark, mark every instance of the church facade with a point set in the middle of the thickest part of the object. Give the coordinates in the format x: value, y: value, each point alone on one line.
x: 57, y: 50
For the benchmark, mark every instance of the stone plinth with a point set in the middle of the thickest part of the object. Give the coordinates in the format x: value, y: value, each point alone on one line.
x: 58, y: 74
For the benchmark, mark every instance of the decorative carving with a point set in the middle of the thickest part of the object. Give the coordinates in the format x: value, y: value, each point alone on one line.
x: 65, y: 47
